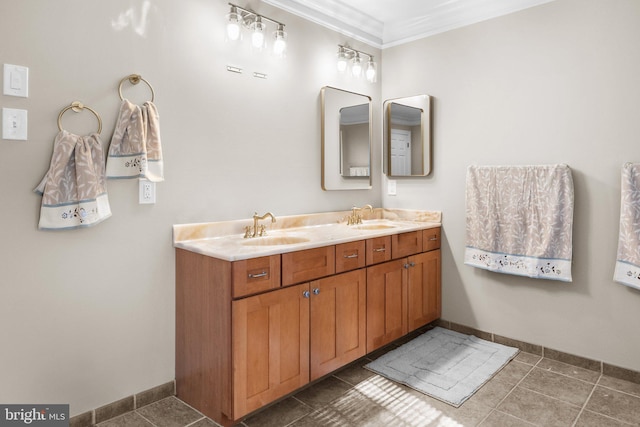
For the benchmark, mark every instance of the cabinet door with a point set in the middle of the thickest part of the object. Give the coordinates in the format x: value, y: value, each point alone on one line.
x: 423, y: 294
x: 270, y: 347
x: 386, y: 303
x: 337, y: 321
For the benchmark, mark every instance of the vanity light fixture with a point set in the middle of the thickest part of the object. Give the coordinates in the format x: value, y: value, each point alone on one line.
x: 348, y: 55
x: 239, y: 17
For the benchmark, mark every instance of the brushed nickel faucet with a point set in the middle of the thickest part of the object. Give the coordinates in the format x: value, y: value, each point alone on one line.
x: 256, y: 229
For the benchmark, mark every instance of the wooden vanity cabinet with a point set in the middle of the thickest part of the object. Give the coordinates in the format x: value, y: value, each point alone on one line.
x: 404, y: 294
x: 249, y: 332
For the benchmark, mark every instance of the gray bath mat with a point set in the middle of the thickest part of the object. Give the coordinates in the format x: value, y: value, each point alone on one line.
x: 444, y: 364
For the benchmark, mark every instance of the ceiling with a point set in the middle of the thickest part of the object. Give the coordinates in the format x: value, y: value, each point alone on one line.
x: 386, y: 23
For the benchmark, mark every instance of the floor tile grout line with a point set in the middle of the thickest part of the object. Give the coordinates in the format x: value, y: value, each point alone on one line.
x: 586, y: 402
x: 144, y: 418
x: 198, y: 420
x: 510, y: 391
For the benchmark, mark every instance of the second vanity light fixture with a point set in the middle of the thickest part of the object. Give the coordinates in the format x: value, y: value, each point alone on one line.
x: 348, y: 55
x: 240, y: 17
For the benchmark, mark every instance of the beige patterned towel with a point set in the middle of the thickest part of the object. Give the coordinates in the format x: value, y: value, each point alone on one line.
x: 74, y: 192
x: 627, y: 269
x: 519, y: 220
x: 135, y: 150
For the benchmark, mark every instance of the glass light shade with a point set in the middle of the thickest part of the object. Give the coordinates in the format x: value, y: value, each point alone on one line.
x: 233, y: 25
x: 280, y: 44
x: 342, y: 60
x: 371, y: 72
x: 257, y: 33
x: 356, y: 67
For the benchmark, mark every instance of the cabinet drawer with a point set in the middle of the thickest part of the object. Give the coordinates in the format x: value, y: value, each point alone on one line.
x: 378, y: 250
x: 350, y: 256
x: 255, y: 275
x: 405, y: 244
x: 301, y: 266
x: 430, y: 239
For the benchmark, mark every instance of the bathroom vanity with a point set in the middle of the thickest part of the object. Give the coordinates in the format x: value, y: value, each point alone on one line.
x: 258, y: 318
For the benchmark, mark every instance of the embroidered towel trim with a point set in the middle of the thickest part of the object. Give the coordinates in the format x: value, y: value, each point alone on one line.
x: 627, y: 271
x: 74, y: 192
x: 519, y: 220
x: 135, y: 150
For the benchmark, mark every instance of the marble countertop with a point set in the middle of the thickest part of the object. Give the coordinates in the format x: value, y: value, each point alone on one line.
x: 225, y: 240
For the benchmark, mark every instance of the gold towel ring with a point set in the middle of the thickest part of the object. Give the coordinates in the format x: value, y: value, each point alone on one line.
x: 134, y: 79
x: 78, y: 106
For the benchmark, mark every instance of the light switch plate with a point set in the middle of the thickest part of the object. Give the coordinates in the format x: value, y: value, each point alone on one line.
x: 391, y: 187
x: 16, y: 80
x: 14, y: 124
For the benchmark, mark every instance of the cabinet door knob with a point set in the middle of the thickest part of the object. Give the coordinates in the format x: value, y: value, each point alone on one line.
x: 316, y: 291
x: 406, y: 266
x: 306, y: 294
x: 412, y: 264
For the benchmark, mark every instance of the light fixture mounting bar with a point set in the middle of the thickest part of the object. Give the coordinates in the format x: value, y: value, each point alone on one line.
x: 352, y: 51
x: 248, y: 12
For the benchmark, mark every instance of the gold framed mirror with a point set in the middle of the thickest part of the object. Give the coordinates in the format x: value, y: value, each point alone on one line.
x: 407, y: 136
x: 345, y: 140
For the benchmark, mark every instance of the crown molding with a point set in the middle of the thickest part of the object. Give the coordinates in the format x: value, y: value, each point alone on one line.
x: 425, y: 17
x: 337, y: 16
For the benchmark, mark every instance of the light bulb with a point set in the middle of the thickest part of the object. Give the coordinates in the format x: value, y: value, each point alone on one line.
x: 233, y: 24
x: 356, y: 67
x: 257, y: 35
x: 370, y: 72
x: 280, y: 45
x: 342, y: 60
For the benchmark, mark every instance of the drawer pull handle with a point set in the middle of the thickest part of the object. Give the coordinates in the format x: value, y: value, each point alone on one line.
x: 306, y: 294
x: 316, y: 291
x: 434, y: 238
x: 351, y: 256
x: 255, y: 276
x: 382, y: 249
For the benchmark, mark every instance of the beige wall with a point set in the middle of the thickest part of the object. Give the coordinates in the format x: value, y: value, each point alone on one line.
x: 87, y: 316
x: 558, y: 83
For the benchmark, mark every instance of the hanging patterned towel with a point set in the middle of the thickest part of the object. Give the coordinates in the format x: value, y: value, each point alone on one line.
x: 519, y: 220
x: 74, y: 192
x: 135, y: 150
x: 627, y: 269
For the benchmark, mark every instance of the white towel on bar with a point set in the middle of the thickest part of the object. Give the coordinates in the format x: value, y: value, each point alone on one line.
x: 135, y: 150
x: 519, y: 220
x: 74, y: 192
x: 627, y: 269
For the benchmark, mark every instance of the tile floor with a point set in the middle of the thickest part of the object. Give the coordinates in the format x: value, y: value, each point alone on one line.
x: 529, y: 391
